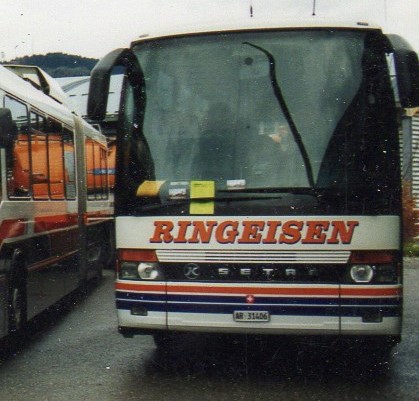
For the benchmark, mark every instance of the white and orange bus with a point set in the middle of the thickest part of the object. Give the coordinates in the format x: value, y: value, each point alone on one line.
x: 56, y: 206
x: 258, y: 179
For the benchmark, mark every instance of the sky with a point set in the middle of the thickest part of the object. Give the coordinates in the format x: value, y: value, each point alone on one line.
x: 92, y: 28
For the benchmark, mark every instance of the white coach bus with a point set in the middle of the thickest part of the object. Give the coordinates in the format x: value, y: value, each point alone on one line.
x: 258, y: 179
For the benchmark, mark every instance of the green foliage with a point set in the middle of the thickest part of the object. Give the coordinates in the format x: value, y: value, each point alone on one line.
x: 411, y: 250
x: 59, y: 64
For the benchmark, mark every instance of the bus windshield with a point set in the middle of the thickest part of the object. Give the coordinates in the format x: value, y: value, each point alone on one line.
x: 303, y: 109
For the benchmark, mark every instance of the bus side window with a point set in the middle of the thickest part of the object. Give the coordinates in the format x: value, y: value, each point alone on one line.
x: 55, y: 146
x: 97, y: 169
x: 69, y: 164
x: 18, y: 158
x: 90, y: 168
x: 39, y: 157
x: 52, y: 160
x: 103, y: 167
x: 111, y: 159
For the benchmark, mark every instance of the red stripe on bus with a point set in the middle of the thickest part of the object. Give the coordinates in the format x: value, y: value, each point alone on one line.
x: 371, y: 292
x: 257, y: 290
x: 229, y: 290
x: 43, y: 264
x: 47, y: 223
x: 12, y: 228
x: 140, y: 287
x: 306, y: 291
x: 98, y: 216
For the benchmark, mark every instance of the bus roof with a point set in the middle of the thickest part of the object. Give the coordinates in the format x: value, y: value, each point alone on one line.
x: 249, y: 24
x: 40, y: 79
x: 14, y: 85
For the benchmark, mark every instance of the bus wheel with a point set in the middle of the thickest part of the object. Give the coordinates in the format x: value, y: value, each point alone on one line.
x: 17, y: 307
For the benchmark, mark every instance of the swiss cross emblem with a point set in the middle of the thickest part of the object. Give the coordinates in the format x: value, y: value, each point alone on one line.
x: 250, y: 299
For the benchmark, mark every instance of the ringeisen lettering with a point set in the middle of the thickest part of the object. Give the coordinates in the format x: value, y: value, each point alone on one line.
x: 254, y: 231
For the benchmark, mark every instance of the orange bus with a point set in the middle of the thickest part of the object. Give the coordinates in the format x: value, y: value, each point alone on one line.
x: 56, y: 224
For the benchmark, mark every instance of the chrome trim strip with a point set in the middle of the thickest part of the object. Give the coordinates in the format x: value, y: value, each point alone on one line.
x: 240, y: 256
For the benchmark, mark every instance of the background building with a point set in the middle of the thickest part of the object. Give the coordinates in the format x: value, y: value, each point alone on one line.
x: 410, y: 151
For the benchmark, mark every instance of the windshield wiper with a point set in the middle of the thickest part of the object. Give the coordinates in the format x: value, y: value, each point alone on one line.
x: 270, y: 190
x: 314, y: 192
x: 234, y: 196
x: 280, y: 98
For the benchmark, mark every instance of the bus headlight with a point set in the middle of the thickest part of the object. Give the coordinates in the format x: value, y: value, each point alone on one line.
x: 362, y: 273
x: 387, y: 274
x: 139, y: 271
x: 128, y: 271
x: 149, y: 271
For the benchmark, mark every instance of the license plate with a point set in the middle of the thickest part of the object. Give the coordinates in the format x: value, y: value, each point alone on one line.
x: 251, y: 316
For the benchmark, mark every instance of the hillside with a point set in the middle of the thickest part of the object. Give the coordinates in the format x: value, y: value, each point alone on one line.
x: 59, y: 64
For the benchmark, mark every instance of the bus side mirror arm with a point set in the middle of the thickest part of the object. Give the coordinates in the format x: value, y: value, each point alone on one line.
x: 100, y: 79
x: 407, y: 70
x: 8, y: 129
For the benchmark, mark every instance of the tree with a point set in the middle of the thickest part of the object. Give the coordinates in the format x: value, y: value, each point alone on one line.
x: 59, y: 64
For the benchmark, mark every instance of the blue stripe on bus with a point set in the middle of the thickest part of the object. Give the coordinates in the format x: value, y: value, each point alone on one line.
x: 225, y: 299
x: 228, y: 309
x: 294, y: 310
x: 391, y: 311
x: 370, y: 301
x: 260, y: 300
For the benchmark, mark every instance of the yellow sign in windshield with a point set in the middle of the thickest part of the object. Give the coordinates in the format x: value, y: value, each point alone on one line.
x: 202, y: 193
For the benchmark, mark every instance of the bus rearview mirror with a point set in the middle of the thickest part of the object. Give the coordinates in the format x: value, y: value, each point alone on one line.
x: 407, y: 71
x: 100, y: 80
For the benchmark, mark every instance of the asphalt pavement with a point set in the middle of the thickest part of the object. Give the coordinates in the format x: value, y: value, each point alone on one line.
x: 75, y: 353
